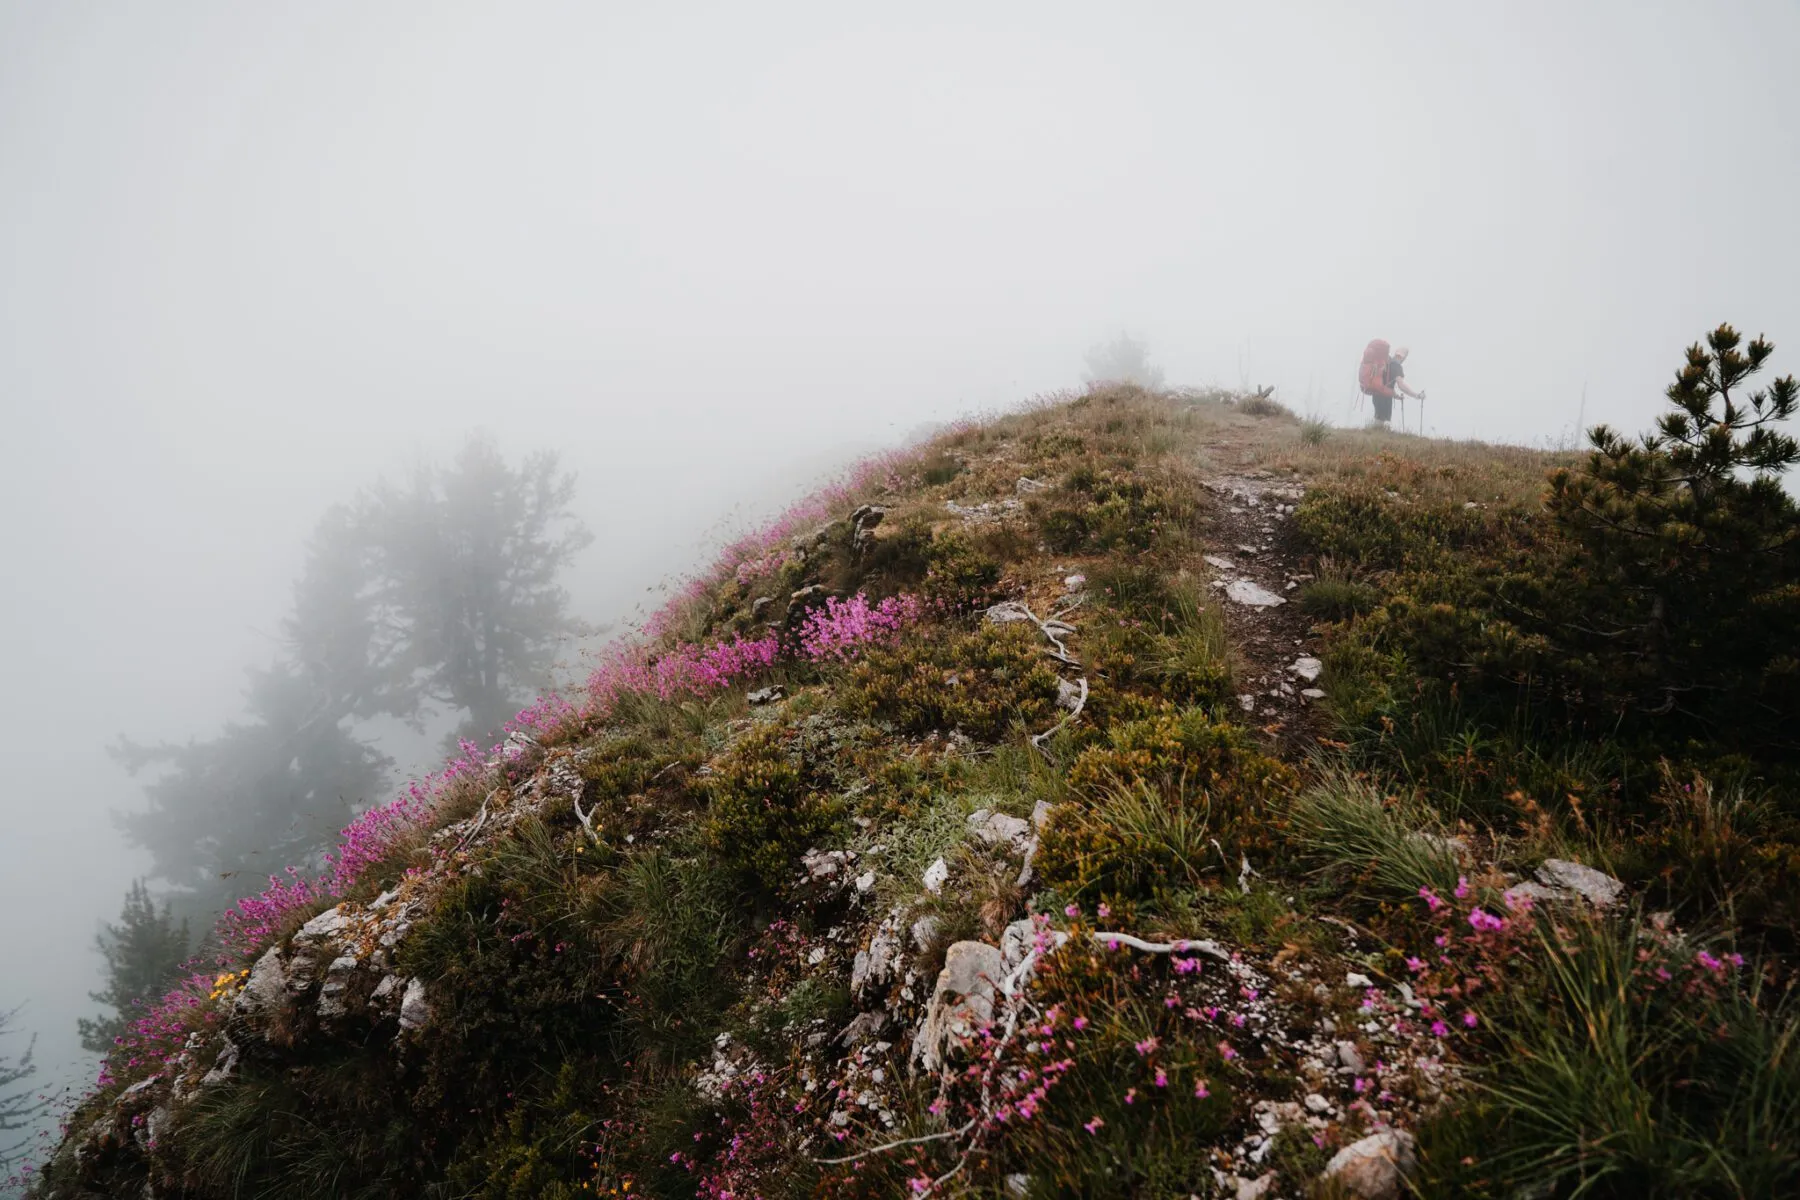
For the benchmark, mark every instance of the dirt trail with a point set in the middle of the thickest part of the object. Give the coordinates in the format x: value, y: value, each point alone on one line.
x: 1255, y: 565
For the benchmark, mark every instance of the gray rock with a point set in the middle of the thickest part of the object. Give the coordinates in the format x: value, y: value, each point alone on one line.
x: 766, y: 695
x: 1596, y: 887
x: 761, y: 605
x: 1307, y: 668
x: 935, y: 876
x: 1218, y: 562
x: 337, y: 982
x: 1349, y: 1057
x: 224, y: 1067
x: 1251, y: 594
x: 1316, y: 1103
x: 865, y: 1027
x: 962, y: 1002
x: 329, y: 923
x: 266, y: 989
x: 414, y: 1009
x: 873, y: 966
x: 1040, y: 815
x: 924, y: 930
x: 999, y: 829
x: 1375, y: 1168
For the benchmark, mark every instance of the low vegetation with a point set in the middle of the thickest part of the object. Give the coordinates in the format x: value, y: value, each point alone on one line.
x: 693, y: 935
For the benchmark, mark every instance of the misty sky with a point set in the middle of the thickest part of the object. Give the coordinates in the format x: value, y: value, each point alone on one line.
x: 253, y: 256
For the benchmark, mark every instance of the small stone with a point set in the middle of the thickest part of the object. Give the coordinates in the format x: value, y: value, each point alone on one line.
x: 766, y: 695
x: 935, y: 875
x: 1254, y: 1189
x: 1247, y: 550
x: 1375, y: 1167
x: 865, y: 881
x: 1074, y: 582
x: 761, y: 605
x: 1356, y: 980
x: 1349, y: 1057
x: 815, y: 956
x: 924, y: 930
x: 332, y: 920
x: 1251, y: 595
x: 1316, y: 1103
x: 1597, y: 887
x: 1218, y: 562
x: 1247, y: 702
x: 1307, y: 668
x: 1313, y: 693
x: 998, y: 828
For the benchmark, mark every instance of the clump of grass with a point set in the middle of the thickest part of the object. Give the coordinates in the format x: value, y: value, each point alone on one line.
x: 1610, y: 1082
x: 1335, y: 593
x: 1346, y: 824
x: 1314, y: 431
x: 1260, y: 404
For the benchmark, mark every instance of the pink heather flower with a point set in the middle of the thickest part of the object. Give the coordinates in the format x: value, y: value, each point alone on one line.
x: 1200, y: 1092
x: 1439, y: 1029
x: 1162, y: 1077
x: 1440, y: 941
x: 1186, y: 966
x: 1662, y: 973
x: 1171, y: 1001
x: 1147, y: 1046
x: 1070, y: 910
x: 920, y: 1184
x: 1081, y: 1022
x: 1103, y: 911
x: 1249, y: 993
x: 842, y: 627
x: 1431, y: 900
x: 1415, y: 965
x: 1516, y: 901
x: 1360, y: 1085
x: 1226, y: 1052
x: 1486, y: 921
x: 1462, y: 887
x: 1709, y: 962
x: 1237, y: 1019
x: 1131, y: 1095
x: 1470, y: 1020
x: 1094, y: 1125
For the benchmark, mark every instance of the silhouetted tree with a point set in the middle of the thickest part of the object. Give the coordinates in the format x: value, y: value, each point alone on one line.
x: 18, y: 1107
x: 443, y: 590
x: 143, y: 953
x: 466, y: 560
x: 1691, y: 544
x: 1123, y: 360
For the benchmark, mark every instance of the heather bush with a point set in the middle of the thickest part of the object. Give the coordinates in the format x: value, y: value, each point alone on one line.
x: 982, y: 682
x: 960, y: 577
x: 762, y: 811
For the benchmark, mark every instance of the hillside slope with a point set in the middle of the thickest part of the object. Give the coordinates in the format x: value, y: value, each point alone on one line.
x: 1140, y: 795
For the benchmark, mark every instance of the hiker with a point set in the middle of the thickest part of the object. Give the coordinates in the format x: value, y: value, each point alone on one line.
x: 1382, y: 375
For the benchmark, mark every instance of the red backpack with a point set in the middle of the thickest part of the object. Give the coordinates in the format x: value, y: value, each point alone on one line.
x: 1371, y: 377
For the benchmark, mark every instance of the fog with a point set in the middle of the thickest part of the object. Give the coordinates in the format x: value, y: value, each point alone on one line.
x: 253, y: 257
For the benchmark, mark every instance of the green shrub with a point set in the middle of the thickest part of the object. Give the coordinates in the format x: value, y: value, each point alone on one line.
x: 1335, y: 593
x: 1158, y: 790
x: 1314, y: 431
x: 762, y: 815
x: 960, y: 577
x: 982, y: 681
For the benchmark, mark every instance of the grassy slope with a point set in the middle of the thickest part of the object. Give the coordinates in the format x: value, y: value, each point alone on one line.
x: 660, y: 1009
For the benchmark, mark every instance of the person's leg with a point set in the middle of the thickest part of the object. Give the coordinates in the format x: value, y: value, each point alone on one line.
x: 1384, y: 408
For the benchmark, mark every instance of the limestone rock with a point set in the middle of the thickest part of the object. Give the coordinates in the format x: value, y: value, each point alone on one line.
x: 1307, y: 668
x: 999, y: 829
x: 766, y: 695
x: 1375, y: 1167
x: 1596, y: 887
x: 1251, y: 594
x: 414, y: 1010
x: 337, y: 982
x: 266, y: 989
x: 935, y: 876
x: 962, y: 1002
x: 1349, y: 1057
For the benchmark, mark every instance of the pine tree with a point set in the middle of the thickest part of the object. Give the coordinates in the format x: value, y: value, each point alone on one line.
x: 1123, y: 360
x: 19, y: 1109
x: 1693, y: 546
x: 143, y: 953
